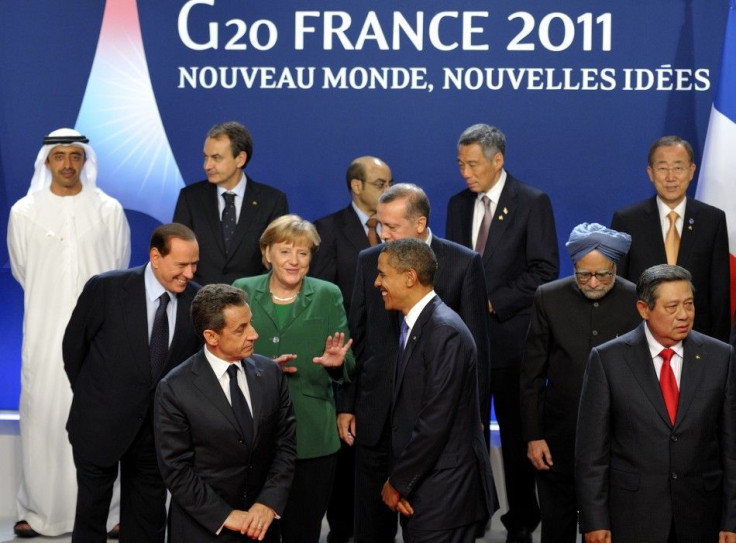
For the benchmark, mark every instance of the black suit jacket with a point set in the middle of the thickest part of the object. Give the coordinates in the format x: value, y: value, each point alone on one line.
x: 565, y: 326
x: 634, y: 470
x: 439, y: 459
x: 375, y: 332
x: 520, y: 254
x: 703, y: 252
x: 197, y: 208
x: 343, y: 237
x: 205, y: 462
x: 106, y: 358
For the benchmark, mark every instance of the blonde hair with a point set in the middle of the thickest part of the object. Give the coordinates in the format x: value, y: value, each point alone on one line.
x: 289, y: 229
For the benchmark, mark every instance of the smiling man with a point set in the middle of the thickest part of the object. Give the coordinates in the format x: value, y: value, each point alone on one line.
x: 672, y: 228
x: 225, y: 429
x: 128, y: 329
x: 655, y: 456
x: 229, y: 210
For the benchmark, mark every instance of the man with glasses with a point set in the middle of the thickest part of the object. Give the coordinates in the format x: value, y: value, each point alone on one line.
x: 344, y: 234
x: 570, y: 316
x: 673, y: 229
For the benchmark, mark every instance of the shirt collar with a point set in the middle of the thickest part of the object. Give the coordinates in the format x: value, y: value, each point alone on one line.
x: 154, y: 289
x: 655, y: 348
x: 362, y: 217
x: 237, y: 190
x: 219, y: 366
x: 413, y: 314
x: 494, y: 193
x: 664, y: 209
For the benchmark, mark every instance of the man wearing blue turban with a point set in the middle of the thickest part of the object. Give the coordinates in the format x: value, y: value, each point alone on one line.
x: 570, y: 316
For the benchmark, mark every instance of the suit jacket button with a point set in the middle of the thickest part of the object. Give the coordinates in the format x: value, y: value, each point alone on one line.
x: 275, y: 340
x: 241, y: 441
x: 673, y: 437
x: 595, y: 332
x: 674, y: 475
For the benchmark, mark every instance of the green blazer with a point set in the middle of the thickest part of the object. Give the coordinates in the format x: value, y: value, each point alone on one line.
x: 316, y: 313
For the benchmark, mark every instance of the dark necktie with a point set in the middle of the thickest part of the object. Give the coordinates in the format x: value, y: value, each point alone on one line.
x: 159, y: 344
x: 240, y: 406
x: 372, y: 232
x: 402, y: 342
x: 480, y: 244
x: 668, y: 384
x: 228, y: 219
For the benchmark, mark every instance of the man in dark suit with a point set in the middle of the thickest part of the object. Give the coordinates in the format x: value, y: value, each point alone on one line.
x: 440, y: 479
x: 226, y: 438
x: 344, y: 234
x: 364, y: 405
x: 229, y: 211
x: 511, y: 224
x: 347, y: 232
x: 655, y: 457
x: 569, y: 317
x: 128, y: 329
x: 671, y: 228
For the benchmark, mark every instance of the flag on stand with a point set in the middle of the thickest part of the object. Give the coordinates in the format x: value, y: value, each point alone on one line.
x: 717, y: 180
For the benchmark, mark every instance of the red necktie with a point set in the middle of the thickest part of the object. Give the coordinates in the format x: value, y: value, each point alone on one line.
x: 668, y: 384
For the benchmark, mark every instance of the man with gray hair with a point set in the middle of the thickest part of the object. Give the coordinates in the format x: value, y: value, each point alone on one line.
x: 655, y: 456
x: 569, y: 317
x: 64, y: 231
x: 512, y: 226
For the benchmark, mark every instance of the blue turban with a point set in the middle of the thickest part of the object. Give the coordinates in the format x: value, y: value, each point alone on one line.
x: 587, y: 237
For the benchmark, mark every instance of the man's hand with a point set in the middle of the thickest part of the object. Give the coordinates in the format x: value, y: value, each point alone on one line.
x: 346, y: 427
x: 335, y: 351
x: 283, y: 359
x: 726, y: 537
x: 254, y: 523
x: 395, y: 501
x: 538, y: 452
x: 598, y: 536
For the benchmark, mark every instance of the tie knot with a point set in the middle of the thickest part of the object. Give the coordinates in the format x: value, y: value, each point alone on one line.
x: 372, y: 223
x: 486, y: 200
x: 667, y: 355
x: 164, y: 300
x: 229, y: 198
x: 232, y: 371
x: 672, y: 216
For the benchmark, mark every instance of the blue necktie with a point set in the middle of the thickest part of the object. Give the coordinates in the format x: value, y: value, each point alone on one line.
x: 402, y: 342
x: 240, y: 406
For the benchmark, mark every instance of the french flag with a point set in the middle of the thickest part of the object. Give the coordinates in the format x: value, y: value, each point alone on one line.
x: 717, y: 180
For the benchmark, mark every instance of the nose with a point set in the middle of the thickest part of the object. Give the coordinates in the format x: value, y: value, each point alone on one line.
x: 594, y: 282
x: 189, y: 271
x: 377, y: 281
x: 464, y: 171
x: 207, y: 162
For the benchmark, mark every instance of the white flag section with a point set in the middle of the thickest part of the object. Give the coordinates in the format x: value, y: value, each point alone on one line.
x: 717, y: 180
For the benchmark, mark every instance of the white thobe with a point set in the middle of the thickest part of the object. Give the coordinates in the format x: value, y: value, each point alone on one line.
x: 55, y: 245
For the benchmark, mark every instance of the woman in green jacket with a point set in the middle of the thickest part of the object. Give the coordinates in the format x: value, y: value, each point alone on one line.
x: 301, y: 323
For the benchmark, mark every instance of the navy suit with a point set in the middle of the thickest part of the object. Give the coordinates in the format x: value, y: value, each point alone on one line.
x: 440, y: 463
x: 703, y: 252
x: 197, y: 208
x: 106, y: 358
x: 520, y: 254
x: 636, y: 473
x: 206, y: 463
x: 459, y: 283
x: 343, y: 237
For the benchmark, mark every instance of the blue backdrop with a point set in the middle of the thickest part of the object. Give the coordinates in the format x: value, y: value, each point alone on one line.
x: 580, y: 88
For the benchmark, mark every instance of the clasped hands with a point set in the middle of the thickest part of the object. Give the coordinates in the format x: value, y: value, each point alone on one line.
x: 335, y: 350
x: 254, y: 523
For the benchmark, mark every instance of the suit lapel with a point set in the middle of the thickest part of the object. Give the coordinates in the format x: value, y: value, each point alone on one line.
x: 252, y: 375
x: 352, y: 230
x: 640, y: 364
x: 687, y: 240
x: 247, y: 212
x: 301, y: 303
x: 411, y: 343
x: 206, y: 382
x: 183, y: 303
x: 652, y: 232
x: 502, y: 218
x: 693, y: 372
x: 212, y: 215
x: 135, y: 317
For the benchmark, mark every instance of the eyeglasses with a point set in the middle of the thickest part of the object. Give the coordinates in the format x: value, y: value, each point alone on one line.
x: 675, y: 170
x: 380, y: 184
x: 585, y: 276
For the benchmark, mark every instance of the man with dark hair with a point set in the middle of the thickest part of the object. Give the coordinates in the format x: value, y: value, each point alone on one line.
x: 225, y: 429
x: 344, y: 234
x: 655, y: 456
x: 364, y: 404
x: 440, y: 478
x: 512, y: 226
x: 671, y: 228
x: 229, y: 211
x: 569, y: 317
x: 128, y: 329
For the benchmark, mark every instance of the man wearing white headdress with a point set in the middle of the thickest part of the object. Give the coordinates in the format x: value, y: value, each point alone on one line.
x: 64, y: 231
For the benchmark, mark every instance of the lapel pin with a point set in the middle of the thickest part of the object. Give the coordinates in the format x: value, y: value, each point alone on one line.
x: 254, y: 203
x: 697, y: 357
x: 505, y: 210
x: 500, y: 217
x: 258, y: 374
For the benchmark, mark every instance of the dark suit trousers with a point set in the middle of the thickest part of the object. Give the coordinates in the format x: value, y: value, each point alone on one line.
x: 374, y: 522
x: 559, y: 506
x: 463, y: 534
x: 340, y: 510
x: 142, y: 494
x: 523, y: 510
